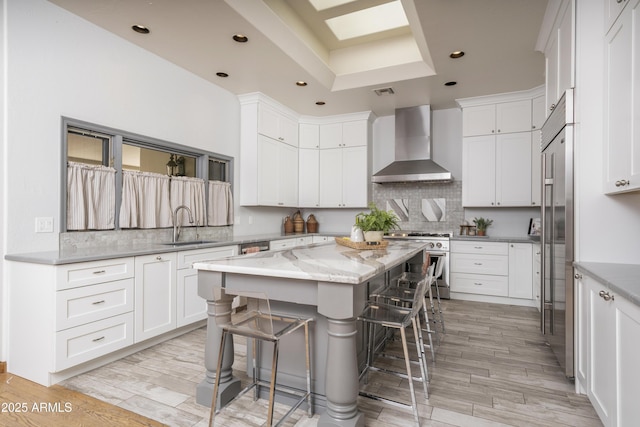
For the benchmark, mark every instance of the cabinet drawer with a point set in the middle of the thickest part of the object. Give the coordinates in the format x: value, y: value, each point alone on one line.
x: 89, y: 273
x: 480, y: 247
x: 480, y: 264
x: 482, y: 284
x: 86, y: 304
x: 80, y: 344
x: 187, y: 258
x: 282, y: 244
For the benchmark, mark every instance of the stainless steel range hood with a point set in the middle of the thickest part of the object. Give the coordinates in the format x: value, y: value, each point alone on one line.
x: 412, y: 150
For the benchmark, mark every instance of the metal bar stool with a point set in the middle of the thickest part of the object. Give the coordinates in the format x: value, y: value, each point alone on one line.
x: 398, y: 317
x: 257, y: 323
x: 403, y: 295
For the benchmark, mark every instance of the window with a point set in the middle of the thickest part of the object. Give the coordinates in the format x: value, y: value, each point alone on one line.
x: 96, y: 158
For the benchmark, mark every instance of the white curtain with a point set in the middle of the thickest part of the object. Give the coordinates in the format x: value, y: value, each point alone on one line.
x: 90, y: 197
x: 145, y: 200
x: 220, y: 207
x: 188, y: 192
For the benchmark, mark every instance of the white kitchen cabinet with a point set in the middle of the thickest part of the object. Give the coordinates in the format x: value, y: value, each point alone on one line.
x: 496, y: 170
x: 309, y: 135
x: 276, y: 124
x: 155, y: 295
x: 320, y: 239
x: 268, y: 153
x: 190, y: 307
x: 608, y: 351
x: 622, y: 101
x: 520, y: 270
x: 537, y: 273
x: 538, y: 113
x: 480, y: 268
x: 353, y: 133
x: 558, y: 47
x: 277, y: 173
x: 503, y: 117
x: 344, y: 180
x: 536, y: 169
x: 309, y: 177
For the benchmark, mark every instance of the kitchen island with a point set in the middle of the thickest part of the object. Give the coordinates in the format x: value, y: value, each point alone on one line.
x: 328, y: 282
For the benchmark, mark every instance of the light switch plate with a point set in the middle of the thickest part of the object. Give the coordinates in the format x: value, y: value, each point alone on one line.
x: 44, y: 224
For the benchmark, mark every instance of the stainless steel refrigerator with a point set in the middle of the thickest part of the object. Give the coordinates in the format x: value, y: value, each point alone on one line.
x: 557, y: 240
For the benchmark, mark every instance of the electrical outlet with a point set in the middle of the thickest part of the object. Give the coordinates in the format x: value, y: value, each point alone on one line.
x: 44, y: 224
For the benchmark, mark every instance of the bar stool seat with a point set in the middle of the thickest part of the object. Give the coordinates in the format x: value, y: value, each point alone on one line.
x: 259, y: 324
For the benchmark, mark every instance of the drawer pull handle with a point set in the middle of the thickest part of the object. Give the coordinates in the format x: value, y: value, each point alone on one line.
x: 98, y: 339
x: 98, y: 302
x: 477, y: 283
x: 477, y: 247
x: 477, y: 263
x: 99, y: 271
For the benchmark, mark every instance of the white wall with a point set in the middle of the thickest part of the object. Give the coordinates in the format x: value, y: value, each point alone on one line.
x: 60, y: 65
x: 607, y: 227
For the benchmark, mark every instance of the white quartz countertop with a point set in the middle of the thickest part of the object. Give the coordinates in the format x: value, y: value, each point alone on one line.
x: 318, y: 262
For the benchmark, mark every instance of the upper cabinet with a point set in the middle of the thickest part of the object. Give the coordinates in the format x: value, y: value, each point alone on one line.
x: 334, y: 166
x: 622, y: 100
x: 504, y: 117
x: 501, y: 149
x: 277, y: 124
x: 268, y: 153
x: 556, y: 41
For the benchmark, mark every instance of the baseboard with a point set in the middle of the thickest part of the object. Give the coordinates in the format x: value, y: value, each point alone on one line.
x: 3, y: 367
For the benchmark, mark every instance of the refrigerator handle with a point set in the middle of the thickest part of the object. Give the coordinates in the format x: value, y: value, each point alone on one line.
x: 543, y: 293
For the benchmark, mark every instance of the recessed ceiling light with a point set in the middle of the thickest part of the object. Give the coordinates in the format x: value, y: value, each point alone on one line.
x: 240, y: 38
x: 451, y: 83
x: 456, y: 54
x: 221, y: 74
x: 320, y: 102
x: 140, y: 29
x: 301, y: 83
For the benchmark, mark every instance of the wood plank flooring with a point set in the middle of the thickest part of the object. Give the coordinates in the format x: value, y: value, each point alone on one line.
x: 492, y: 368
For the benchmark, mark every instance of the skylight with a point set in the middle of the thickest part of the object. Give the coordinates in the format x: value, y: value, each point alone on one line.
x: 375, y: 19
x: 328, y: 4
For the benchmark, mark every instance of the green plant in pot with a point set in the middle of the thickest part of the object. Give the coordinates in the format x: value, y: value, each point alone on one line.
x: 376, y: 222
x: 481, y: 225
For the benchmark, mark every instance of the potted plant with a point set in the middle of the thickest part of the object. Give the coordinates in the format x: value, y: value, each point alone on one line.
x: 481, y: 225
x: 375, y: 223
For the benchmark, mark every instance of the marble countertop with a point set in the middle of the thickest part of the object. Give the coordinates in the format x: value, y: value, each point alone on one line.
x: 623, y: 279
x: 128, y: 249
x: 318, y: 262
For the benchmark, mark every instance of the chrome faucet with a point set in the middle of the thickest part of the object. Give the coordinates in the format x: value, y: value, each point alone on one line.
x: 176, y: 226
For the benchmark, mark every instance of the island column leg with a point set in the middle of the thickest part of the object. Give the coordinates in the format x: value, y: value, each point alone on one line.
x: 342, y: 384
x: 218, y: 312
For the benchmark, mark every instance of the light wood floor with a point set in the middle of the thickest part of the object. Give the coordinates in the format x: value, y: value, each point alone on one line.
x: 492, y: 368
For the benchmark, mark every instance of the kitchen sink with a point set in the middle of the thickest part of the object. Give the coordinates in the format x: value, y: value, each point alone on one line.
x: 189, y: 242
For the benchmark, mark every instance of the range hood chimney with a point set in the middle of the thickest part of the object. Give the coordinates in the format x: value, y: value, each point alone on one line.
x: 412, y: 150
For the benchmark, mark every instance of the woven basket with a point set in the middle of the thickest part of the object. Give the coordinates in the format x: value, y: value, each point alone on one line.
x: 345, y: 241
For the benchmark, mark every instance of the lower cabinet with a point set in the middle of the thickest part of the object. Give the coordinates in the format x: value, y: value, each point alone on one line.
x: 291, y: 242
x: 608, y: 352
x: 190, y: 307
x: 492, y: 269
x: 155, y: 295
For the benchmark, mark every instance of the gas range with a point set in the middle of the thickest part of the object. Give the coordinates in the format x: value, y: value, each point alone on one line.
x: 437, y: 240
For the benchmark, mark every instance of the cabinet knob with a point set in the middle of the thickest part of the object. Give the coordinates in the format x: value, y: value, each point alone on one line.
x: 606, y: 296
x: 553, y: 107
x: 577, y: 275
x: 159, y: 258
x: 493, y: 131
x: 622, y: 183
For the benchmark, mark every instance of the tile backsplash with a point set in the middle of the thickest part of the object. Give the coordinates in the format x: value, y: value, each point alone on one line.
x: 423, y: 206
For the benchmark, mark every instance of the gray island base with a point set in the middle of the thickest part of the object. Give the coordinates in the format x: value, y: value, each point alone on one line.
x: 327, y: 282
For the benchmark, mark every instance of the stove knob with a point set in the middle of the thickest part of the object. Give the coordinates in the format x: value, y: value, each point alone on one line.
x: 431, y: 245
x: 439, y: 245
